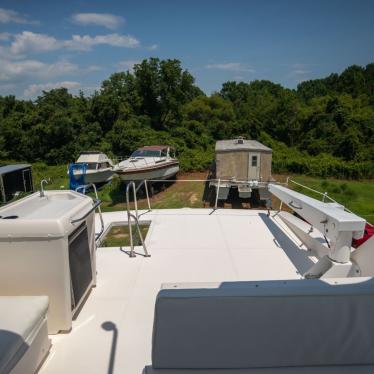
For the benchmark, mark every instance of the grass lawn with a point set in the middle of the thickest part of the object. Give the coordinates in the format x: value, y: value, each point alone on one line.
x: 119, y: 236
x: 357, y: 196
x: 174, y: 195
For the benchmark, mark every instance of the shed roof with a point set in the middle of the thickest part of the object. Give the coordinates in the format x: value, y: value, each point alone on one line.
x: 9, y: 168
x: 240, y: 144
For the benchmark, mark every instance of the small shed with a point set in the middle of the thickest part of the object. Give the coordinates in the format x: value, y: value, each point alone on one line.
x: 242, y: 164
x: 243, y: 160
x: 13, y: 179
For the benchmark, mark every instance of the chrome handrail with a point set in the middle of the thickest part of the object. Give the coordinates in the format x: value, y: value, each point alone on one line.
x: 84, y: 187
x: 136, y: 219
x: 96, y: 204
x: 132, y: 253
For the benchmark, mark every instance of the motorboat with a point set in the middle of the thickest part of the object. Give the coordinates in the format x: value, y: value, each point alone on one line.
x: 230, y: 291
x: 91, y: 167
x: 154, y: 162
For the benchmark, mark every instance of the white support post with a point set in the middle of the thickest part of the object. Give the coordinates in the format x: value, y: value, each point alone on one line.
x: 218, y: 186
x: 146, y: 192
x: 135, y: 200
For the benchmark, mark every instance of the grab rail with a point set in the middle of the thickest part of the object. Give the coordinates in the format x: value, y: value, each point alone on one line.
x: 96, y: 204
x: 84, y: 187
x: 136, y: 219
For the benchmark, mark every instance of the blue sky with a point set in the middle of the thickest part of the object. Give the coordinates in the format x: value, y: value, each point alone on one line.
x: 77, y: 44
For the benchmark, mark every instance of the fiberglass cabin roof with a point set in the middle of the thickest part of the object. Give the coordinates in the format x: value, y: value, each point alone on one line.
x: 241, y: 145
x: 154, y: 147
x: 92, y: 157
x: 10, y: 168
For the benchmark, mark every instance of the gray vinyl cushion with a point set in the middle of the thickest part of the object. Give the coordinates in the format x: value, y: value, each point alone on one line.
x: 20, y: 318
x: 357, y: 369
x: 264, y: 324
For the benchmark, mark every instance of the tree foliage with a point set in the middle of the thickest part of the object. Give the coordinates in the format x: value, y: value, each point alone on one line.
x: 324, y: 127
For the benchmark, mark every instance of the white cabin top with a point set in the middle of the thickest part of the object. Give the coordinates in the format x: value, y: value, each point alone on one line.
x: 93, y: 156
x: 240, y: 145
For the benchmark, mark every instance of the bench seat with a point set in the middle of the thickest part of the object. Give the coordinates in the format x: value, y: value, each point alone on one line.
x: 242, y: 327
x: 23, y: 333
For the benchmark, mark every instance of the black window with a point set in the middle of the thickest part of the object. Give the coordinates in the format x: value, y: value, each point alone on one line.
x: 254, y: 160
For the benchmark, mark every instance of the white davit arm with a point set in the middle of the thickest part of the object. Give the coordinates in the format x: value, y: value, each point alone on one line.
x: 330, y: 219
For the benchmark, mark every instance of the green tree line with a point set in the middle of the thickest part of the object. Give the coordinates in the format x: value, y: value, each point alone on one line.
x: 325, y: 127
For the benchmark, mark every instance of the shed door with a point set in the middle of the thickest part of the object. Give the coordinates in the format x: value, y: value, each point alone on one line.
x: 254, y: 166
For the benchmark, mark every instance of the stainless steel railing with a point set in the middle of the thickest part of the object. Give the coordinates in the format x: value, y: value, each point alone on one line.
x: 135, y: 217
x: 84, y: 188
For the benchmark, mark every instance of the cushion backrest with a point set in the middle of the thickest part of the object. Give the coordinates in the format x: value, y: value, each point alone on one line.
x: 264, y: 324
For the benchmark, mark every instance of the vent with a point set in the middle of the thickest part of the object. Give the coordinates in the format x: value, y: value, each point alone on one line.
x: 80, y: 263
x: 240, y: 141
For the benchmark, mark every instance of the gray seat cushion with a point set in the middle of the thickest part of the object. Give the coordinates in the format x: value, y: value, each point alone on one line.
x: 264, y: 324
x: 357, y: 369
x: 20, y: 319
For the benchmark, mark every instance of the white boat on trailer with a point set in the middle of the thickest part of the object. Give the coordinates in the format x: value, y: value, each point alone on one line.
x: 92, y: 167
x: 154, y: 162
x: 228, y: 291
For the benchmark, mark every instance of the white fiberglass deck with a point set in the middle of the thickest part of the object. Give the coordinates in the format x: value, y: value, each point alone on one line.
x: 113, y: 332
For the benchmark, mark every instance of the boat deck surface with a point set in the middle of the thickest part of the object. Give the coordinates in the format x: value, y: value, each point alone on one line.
x: 113, y: 331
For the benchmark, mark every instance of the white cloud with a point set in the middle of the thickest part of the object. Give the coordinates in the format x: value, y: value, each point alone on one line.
x: 29, y: 41
x: 93, y: 68
x: 5, y: 88
x: 5, y: 36
x: 107, y: 20
x: 153, y: 47
x: 9, y: 16
x: 299, y: 73
x: 86, y: 42
x: 16, y: 70
x: 34, y: 89
x: 128, y: 65
x: 231, y: 66
x: 59, y: 68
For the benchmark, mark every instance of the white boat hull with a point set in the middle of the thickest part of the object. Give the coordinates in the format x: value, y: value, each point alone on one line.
x: 97, y: 176
x: 150, y: 174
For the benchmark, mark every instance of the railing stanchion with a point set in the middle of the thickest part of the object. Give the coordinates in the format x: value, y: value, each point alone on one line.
x: 136, y: 219
x: 146, y: 192
x: 217, y: 193
x: 129, y: 216
x: 135, y: 200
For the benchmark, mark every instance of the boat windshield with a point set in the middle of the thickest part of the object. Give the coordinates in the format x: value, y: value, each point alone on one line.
x: 91, y: 165
x: 145, y: 153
